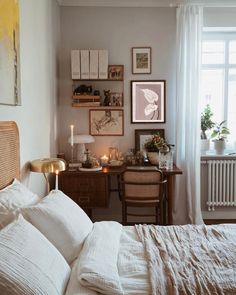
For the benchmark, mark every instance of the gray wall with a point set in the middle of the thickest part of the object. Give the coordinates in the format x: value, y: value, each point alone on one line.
x: 220, y: 17
x: 118, y: 30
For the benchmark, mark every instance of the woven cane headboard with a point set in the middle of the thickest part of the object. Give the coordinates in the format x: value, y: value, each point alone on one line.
x: 9, y: 153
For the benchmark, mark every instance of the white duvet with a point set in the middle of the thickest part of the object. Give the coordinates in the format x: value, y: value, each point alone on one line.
x: 115, y: 261
x: 116, y: 253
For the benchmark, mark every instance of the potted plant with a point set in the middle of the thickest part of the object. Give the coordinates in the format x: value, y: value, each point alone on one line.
x: 206, y: 124
x: 153, y: 146
x: 220, y: 133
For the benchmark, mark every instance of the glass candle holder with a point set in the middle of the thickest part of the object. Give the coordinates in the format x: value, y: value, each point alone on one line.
x: 113, y: 154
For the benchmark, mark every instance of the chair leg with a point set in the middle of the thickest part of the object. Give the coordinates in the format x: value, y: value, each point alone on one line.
x: 124, y: 213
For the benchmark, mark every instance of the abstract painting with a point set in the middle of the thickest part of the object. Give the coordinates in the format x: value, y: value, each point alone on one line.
x: 9, y: 53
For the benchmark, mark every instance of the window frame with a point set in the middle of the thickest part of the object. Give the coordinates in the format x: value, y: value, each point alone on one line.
x: 221, y: 34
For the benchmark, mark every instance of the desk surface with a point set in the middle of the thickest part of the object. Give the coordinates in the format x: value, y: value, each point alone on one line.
x: 114, y: 170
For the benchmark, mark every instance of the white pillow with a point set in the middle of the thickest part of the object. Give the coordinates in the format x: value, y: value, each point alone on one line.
x: 62, y: 222
x: 12, y: 197
x: 30, y: 264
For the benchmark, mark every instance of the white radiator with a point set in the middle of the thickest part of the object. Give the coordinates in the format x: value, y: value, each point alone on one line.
x: 221, y: 183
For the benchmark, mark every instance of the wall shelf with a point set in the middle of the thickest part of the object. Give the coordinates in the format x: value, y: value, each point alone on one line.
x: 115, y: 86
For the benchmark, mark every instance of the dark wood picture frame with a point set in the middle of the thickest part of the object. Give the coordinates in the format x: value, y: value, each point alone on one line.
x: 116, y: 72
x: 106, y: 122
x: 141, y: 60
x: 141, y: 135
x: 148, y: 101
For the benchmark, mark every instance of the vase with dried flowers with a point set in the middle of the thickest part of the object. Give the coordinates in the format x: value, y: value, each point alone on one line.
x: 154, y: 145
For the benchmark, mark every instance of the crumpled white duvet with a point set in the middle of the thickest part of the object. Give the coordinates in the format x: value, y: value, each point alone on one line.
x: 162, y: 260
x: 112, y: 261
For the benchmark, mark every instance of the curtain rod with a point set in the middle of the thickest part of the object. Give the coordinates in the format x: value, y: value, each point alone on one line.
x: 206, y: 3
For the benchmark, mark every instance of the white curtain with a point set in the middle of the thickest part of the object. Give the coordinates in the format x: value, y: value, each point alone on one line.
x: 186, y: 204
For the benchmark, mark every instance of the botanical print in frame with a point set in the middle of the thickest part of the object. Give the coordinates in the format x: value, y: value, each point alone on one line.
x: 148, y: 101
x: 9, y: 52
x: 141, y: 60
x: 143, y: 135
x: 106, y: 122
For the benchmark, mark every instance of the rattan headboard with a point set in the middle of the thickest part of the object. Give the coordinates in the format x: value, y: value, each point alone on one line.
x: 9, y: 153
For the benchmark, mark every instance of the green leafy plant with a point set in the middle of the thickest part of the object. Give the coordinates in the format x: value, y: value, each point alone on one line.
x: 156, y: 143
x: 220, y: 131
x: 206, y: 122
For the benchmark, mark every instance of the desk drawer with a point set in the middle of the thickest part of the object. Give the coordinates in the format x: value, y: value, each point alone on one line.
x: 86, y: 190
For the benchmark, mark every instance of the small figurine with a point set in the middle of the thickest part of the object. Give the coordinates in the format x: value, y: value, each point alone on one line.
x: 107, y: 99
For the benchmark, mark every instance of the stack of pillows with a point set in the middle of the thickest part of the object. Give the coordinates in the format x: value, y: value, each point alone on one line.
x: 39, y: 239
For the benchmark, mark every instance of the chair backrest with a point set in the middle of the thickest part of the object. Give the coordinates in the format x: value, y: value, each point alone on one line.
x: 145, y: 185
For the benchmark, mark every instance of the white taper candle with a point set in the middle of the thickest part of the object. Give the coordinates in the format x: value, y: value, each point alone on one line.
x: 72, y: 135
x: 56, y: 183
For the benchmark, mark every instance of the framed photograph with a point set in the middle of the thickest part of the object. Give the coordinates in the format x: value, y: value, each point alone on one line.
x: 148, y: 101
x: 141, y: 60
x: 106, y: 122
x: 116, y: 72
x: 143, y: 135
x: 116, y: 99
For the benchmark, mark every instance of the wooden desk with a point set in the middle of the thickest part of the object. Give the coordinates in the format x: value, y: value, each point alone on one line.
x: 92, y: 189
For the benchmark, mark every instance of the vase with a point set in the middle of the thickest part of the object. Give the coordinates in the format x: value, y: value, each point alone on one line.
x: 205, y: 145
x: 153, y: 157
x: 219, y: 146
x: 166, y: 160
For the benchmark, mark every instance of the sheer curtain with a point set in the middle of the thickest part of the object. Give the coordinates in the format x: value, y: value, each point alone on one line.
x: 186, y: 207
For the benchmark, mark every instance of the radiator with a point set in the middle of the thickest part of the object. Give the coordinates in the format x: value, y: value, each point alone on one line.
x: 221, y: 183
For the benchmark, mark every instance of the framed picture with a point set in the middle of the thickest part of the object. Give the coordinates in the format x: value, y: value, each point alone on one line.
x: 9, y: 52
x: 116, y: 99
x: 106, y: 122
x: 116, y: 72
x: 143, y: 135
x: 148, y: 101
x: 141, y: 60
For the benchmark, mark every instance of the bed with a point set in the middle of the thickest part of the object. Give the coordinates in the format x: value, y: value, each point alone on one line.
x: 49, y: 246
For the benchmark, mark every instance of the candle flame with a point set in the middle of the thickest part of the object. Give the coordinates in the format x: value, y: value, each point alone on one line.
x: 57, y: 172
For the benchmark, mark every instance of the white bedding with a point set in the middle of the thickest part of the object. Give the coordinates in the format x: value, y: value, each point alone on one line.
x: 115, y: 261
x: 132, y: 266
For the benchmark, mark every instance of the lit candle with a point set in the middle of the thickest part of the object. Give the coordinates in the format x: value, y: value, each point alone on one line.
x: 72, y: 135
x: 104, y: 160
x: 56, y: 183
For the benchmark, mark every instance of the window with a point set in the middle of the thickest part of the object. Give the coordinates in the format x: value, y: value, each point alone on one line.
x: 219, y: 77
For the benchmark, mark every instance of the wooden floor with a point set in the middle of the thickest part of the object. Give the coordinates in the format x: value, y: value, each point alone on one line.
x: 218, y: 221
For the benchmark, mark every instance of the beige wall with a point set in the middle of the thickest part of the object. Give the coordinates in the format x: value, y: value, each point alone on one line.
x: 37, y: 116
x: 118, y: 30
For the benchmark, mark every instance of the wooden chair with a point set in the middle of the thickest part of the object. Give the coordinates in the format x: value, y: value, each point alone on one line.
x: 142, y: 188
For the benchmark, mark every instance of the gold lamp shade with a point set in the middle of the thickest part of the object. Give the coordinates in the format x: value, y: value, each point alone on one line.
x: 48, y: 165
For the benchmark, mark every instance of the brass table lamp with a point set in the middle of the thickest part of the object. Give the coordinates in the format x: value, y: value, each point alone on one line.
x: 48, y: 165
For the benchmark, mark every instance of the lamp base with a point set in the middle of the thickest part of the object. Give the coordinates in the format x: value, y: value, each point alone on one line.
x: 81, y: 157
x: 73, y: 166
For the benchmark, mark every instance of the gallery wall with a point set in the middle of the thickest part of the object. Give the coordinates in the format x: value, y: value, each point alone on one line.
x: 117, y: 30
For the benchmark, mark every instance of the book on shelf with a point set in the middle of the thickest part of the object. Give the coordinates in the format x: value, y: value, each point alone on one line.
x: 84, y: 59
x: 75, y: 64
x: 93, y: 64
x: 103, y: 64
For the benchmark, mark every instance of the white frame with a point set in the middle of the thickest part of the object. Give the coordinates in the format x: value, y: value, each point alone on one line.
x: 141, y: 50
x: 226, y: 36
